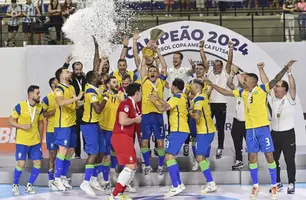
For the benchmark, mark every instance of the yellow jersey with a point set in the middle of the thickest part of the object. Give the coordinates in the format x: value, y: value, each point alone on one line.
x: 49, y: 104
x: 92, y: 95
x: 118, y: 76
x: 108, y: 115
x: 205, y: 124
x: 255, y: 106
x: 65, y: 116
x: 26, y: 114
x: 178, y: 118
x: 157, y: 88
x: 102, y: 88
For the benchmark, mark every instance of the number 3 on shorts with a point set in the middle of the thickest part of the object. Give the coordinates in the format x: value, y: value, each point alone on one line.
x: 267, y: 142
x: 167, y: 144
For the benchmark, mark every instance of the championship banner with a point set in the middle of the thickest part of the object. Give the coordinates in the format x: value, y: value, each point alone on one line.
x: 184, y: 36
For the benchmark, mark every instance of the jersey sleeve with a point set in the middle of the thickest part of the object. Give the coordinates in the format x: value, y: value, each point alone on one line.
x: 45, y: 103
x: 237, y: 93
x: 173, y: 101
x: 41, y: 114
x: 124, y: 107
x: 198, y: 103
x: 59, y: 92
x: 16, y: 112
x: 265, y: 88
x: 92, y: 95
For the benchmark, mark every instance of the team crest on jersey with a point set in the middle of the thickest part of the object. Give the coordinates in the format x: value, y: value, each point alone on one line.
x: 197, y: 104
x: 58, y: 93
x: 131, y: 158
x: 94, y: 98
x: 126, y: 109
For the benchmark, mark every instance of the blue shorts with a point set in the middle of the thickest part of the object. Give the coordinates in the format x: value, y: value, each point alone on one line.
x: 66, y: 137
x: 259, y: 140
x: 50, y: 139
x: 203, y: 144
x: 152, y: 122
x: 33, y: 152
x: 192, y: 126
x: 108, y: 144
x: 94, y: 140
x: 175, y: 141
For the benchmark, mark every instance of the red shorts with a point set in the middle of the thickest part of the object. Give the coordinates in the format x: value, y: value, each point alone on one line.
x: 124, y: 149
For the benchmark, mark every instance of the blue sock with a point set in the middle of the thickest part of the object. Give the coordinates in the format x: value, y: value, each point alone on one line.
x: 204, y: 165
x: 34, y: 174
x: 105, y: 171
x: 51, y: 174
x: 254, y: 172
x: 179, y: 182
x: 100, y: 168
x: 146, y: 156
x: 95, y: 171
x: 272, y: 170
x: 17, y: 174
x: 161, y: 156
x: 194, y: 150
x: 66, y: 166
x: 59, y: 164
x: 172, y: 168
x: 88, y: 172
x: 113, y: 160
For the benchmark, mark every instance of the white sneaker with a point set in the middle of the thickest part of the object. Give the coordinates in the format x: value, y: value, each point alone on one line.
x: 59, y: 185
x: 195, y: 166
x: 95, y: 184
x: 65, y: 182
x: 173, y: 191
x: 147, y: 170
x: 15, y: 190
x: 201, y: 15
x: 160, y: 170
x: 182, y: 186
x: 130, y: 189
x: 113, y: 174
x: 52, y: 186
x: 166, y: 15
x: 254, y: 193
x: 85, y: 186
x: 210, y: 187
x: 107, y: 188
x: 29, y: 189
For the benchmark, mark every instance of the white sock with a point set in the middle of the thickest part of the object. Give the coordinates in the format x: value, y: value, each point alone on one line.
x: 132, y: 177
x: 124, y: 176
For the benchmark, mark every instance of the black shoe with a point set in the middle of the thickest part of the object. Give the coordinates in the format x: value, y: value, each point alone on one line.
x: 291, y: 188
x: 155, y: 152
x: 238, y: 165
x: 279, y: 187
x: 219, y: 153
x: 186, y: 149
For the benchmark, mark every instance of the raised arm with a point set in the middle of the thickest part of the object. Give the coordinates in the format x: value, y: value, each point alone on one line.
x: 203, y: 56
x: 125, y: 43
x: 67, y: 63
x: 164, y: 68
x: 221, y: 90
x: 230, y: 81
x: 230, y: 57
x: 142, y: 68
x: 281, y: 74
x: 96, y: 61
x: 262, y: 74
x: 292, y: 86
x: 135, y: 48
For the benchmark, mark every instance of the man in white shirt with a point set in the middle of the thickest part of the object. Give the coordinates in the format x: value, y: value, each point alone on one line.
x: 218, y: 76
x: 238, y: 127
x: 183, y: 73
x: 283, y: 135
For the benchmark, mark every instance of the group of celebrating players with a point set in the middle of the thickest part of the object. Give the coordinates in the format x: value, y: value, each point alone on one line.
x: 122, y: 103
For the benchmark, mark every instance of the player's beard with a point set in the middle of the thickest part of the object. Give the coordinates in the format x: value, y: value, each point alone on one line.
x: 114, y: 90
x: 36, y: 100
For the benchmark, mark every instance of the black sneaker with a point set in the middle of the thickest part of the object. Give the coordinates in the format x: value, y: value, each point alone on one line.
x: 219, y: 153
x: 238, y: 165
x: 279, y: 187
x: 291, y: 188
x: 186, y: 149
x: 155, y: 152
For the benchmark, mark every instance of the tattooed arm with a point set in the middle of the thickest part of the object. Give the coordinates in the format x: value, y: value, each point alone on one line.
x: 280, y: 75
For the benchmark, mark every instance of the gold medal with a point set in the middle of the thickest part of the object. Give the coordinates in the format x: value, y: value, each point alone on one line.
x: 278, y: 115
x: 239, y: 102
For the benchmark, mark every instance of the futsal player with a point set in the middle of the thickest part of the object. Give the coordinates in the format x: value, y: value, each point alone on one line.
x: 64, y: 124
x: 49, y: 106
x: 152, y: 118
x: 179, y: 131
x: 27, y: 118
x: 123, y: 140
x: 122, y: 70
x: 258, y: 136
x: 95, y: 143
x: 108, y: 116
x: 205, y: 127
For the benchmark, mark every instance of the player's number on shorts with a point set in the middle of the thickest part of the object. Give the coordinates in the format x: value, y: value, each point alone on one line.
x: 268, y: 142
x: 167, y: 144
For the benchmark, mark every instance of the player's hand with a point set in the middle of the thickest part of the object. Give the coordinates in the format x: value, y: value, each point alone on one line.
x: 290, y: 63
x: 80, y: 95
x: 153, y: 97
x: 208, y: 82
x: 125, y: 41
x: 137, y: 119
x: 192, y: 63
x: 26, y: 127
x: 202, y: 42
x: 105, y: 58
x: 69, y: 58
x: 261, y: 65
x: 79, y: 103
x: 230, y: 44
x: 136, y: 35
x: 95, y: 40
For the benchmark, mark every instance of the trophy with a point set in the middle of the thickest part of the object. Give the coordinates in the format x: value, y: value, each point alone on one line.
x: 149, y: 51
